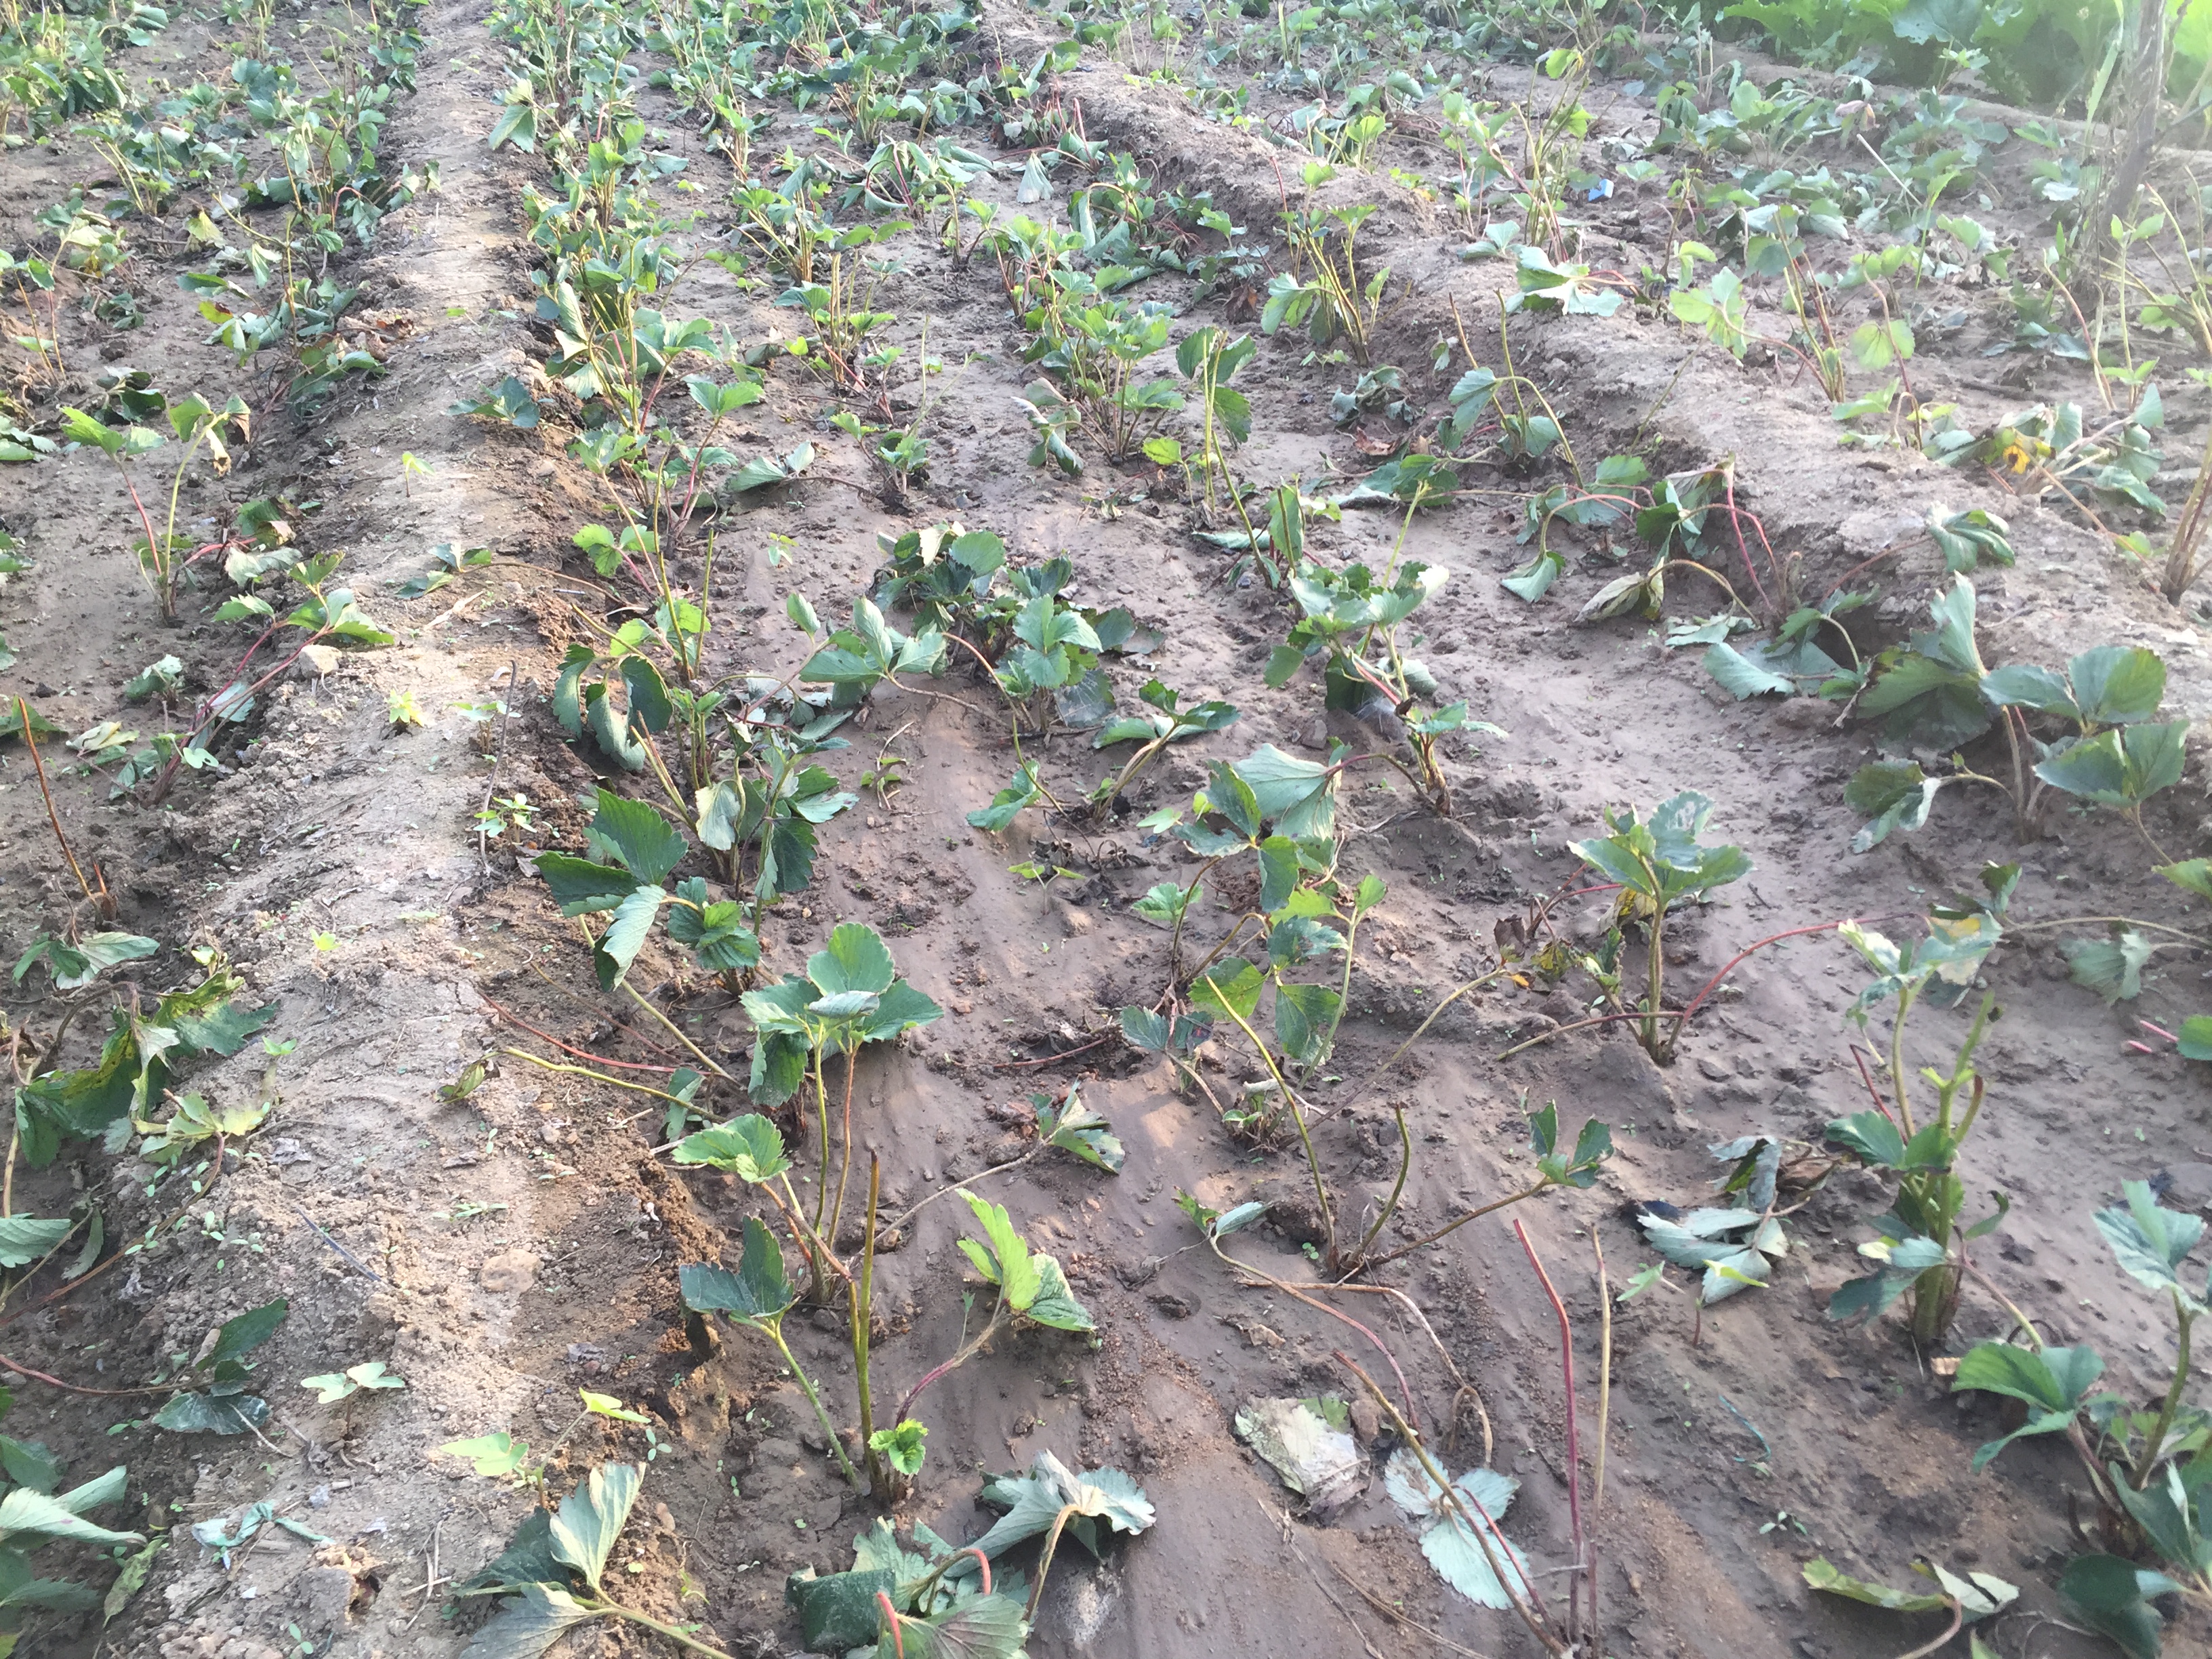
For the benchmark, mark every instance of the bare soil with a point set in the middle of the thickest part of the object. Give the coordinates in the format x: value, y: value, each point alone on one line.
x: 503, y: 1252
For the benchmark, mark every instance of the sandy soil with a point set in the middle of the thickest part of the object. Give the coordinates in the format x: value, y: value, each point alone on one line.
x: 501, y: 1252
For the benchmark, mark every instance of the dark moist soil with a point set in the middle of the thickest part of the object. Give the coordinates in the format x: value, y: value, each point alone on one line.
x: 503, y: 1252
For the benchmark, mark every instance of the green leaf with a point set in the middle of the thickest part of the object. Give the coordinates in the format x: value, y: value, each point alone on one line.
x: 1965, y: 538
x: 1229, y: 985
x: 902, y: 1447
x: 2196, y: 1037
x: 240, y: 1336
x: 2111, y: 967
x: 23, y: 1239
x: 527, y: 1559
x: 580, y: 887
x: 2123, y: 768
x: 857, y: 959
x: 2117, y: 684
x: 1034, y: 1501
x: 1055, y: 1303
x: 1740, y: 678
x: 626, y: 934
x: 635, y: 836
x: 26, y: 1513
x: 1303, y: 1014
x: 528, y: 1624
x: 1874, y: 1136
x: 2149, y: 1240
x: 1005, y: 1260
x: 1298, y: 797
x: 495, y: 1457
x: 838, y: 1613
x: 591, y: 1518
x: 1892, y: 795
x: 2055, y: 1379
x: 2190, y: 875
x: 1006, y: 805
x: 2113, y: 1596
x: 749, y: 1147
x: 29, y: 1464
x: 757, y: 1293
x: 981, y: 1627
x: 1822, y: 1576
x: 1074, y: 1128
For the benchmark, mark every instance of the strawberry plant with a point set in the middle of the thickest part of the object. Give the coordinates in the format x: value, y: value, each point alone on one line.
x: 1031, y: 1287
x: 635, y: 852
x: 552, y: 1574
x: 144, y: 1055
x: 1659, y: 861
x: 1934, y: 691
x: 850, y: 996
x: 1919, y: 1245
x: 197, y: 424
x: 758, y: 1295
x: 894, y: 1601
x: 1349, y: 630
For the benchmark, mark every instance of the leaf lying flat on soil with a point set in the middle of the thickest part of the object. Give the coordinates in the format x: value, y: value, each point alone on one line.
x: 1304, y: 1441
x: 1448, y: 1541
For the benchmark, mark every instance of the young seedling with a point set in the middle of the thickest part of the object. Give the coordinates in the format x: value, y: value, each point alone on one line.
x: 851, y: 995
x: 553, y: 1571
x: 195, y: 423
x: 1920, y: 1246
x: 1658, y: 863
x: 1031, y: 1286
x: 336, y: 1386
x: 758, y: 1295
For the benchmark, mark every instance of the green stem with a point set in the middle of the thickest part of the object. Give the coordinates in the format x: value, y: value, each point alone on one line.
x: 2148, y: 1460
x: 697, y: 1052
x: 598, y: 1076
x: 1298, y: 1116
x: 822, y: 1114
x: 655, y: 1625
x: 1454, y: 1226
x: 808, y: 1241
x: 806, y: 1388
x: 862, y: 1291
x: 1397, y: 1188
x: 1654, y: 975
x: 845, y: 1159
x: 1897, y: 1058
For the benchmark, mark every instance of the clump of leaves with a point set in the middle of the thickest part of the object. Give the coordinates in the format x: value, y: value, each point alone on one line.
x: 1934, y: 691
x: 1735, y: 1245
x: 1459, y: 1534
x: 635, y: 851
x: 1659, y: 861
x: 895, y: 1601
x: 142, y: 1055
x: 32, y: 1516
x: 1919, y: 1245
x: 850, y: 995
x: 1349, y: 629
